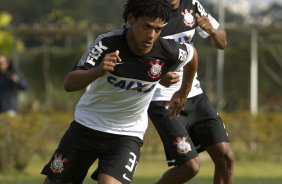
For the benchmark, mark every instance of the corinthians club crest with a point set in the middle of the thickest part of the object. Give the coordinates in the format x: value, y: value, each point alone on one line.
x: 182, y: 145
x: 57, y: 165
x: 188, y: 18
x: 156, y: 69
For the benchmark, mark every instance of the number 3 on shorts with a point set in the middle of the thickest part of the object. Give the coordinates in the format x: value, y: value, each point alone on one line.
x: 130, y: 165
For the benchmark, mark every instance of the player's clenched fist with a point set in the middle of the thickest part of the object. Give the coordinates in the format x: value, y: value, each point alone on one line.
x: 109, y: 62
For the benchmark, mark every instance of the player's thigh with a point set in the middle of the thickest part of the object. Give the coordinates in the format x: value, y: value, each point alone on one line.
x: 208, y: 128
x: 157, y: 113
x: 173, y: 132
x: 107, y: 179
x: 70, y: 161
x: 160, y: 118
x: 120, y: 159
x: 177, y: 143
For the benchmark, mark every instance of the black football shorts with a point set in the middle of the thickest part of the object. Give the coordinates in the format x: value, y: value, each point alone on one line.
x: 183, y: 137
x: 80, y: 146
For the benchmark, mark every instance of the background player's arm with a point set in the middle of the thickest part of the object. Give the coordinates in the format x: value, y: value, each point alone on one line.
x: 189, y: 71
x: 178, y: 99
x: 80, y: 79
x: 218, y: 36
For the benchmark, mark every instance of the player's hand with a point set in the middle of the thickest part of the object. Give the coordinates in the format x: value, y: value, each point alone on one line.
x: 109, y: 62
x: 176, y: 104
x: 204, y: 23
x: 15, y: 78
x: 169, y: 79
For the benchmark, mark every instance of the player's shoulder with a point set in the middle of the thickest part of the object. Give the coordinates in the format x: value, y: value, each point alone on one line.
x: 110, y: 35
x: 108, y: 39
x: 169, y: 47
x: 167, y: 44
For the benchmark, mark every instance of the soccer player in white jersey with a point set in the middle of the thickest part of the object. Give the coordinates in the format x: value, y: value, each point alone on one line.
x: 198, y: 127
x: 122, y: 68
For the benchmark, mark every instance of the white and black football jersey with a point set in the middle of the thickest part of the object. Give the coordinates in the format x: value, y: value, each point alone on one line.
x: 117, y: 102
x: 181, y: 27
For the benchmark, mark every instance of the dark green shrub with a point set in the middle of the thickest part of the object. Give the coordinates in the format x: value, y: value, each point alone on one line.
x: 22, y: 137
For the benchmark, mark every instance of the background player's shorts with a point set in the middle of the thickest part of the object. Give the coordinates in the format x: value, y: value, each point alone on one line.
x: 197, y: 127
x: 80, y: 146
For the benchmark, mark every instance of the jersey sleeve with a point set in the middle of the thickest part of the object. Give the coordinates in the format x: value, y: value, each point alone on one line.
x: 185, y: 55
x: 178, y: 53
x: 93, y: 55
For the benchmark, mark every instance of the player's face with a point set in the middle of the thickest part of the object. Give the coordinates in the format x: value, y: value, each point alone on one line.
x: 174, y: 3
x: 3, y: 64
x: 142, y: 34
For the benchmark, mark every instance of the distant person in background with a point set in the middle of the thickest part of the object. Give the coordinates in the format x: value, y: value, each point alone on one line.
x: 10, y: 83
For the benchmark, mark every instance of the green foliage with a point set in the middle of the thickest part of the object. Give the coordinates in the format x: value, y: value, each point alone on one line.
x: 37, y: 134
x: 101, y: 12
x: 5, y: 19
x: 8, y: 42
x: 255, y: 137
x: 16, y: 132
x: 23, y: 136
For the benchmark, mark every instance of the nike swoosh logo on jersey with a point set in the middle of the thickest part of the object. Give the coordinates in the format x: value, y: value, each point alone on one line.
x: 125, y: 177
x: 165, y: 24
x: 120, y: 63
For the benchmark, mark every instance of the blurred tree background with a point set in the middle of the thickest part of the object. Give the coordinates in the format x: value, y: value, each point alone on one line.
x: 46, y: 38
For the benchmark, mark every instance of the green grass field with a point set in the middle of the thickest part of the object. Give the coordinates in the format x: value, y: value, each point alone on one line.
x: 149, y: 171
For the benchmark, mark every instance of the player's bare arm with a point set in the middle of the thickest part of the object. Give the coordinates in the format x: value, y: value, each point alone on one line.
x: 218, y: 36
x: 178, y: 100
x: 80, y: 79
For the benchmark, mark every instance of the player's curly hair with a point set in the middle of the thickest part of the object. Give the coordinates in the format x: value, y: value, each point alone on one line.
x: 150, y: 8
